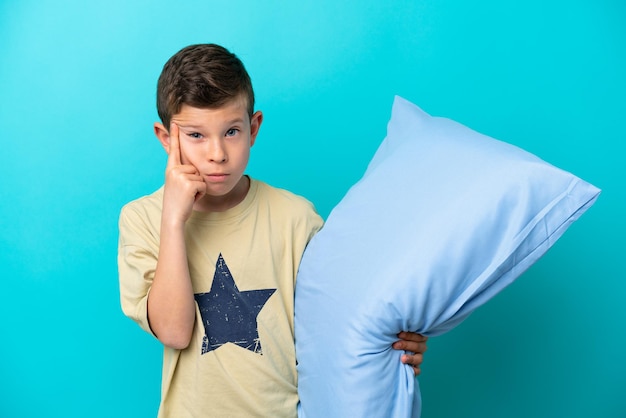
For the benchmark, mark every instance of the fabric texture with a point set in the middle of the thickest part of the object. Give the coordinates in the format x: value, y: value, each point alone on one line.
x: 243, y: 263
x: 442, y: 220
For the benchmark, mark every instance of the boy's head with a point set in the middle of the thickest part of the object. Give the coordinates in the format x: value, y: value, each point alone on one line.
x: 202, y: 76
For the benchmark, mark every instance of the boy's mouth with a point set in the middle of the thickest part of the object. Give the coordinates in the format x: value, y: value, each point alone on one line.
x: 216, y: 177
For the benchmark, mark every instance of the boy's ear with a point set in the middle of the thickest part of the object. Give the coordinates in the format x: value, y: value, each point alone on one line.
x: 255, y: 125
x: 163, y: 135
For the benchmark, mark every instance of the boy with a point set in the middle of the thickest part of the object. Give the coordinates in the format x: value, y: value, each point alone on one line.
x: 208, y: 262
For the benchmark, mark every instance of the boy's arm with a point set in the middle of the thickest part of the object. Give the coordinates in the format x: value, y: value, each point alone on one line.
x: 171, y: 304
x: 415, y: 344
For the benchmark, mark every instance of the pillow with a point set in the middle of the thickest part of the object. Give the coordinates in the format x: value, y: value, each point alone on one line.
x: 442, y: 220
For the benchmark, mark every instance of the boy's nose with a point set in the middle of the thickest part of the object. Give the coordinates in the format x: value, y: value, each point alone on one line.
x: 216, y: 151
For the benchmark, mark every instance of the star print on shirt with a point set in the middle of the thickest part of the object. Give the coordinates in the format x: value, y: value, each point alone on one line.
x: 230, y: 315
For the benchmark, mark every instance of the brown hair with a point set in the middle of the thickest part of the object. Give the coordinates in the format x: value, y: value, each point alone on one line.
x: 204, y: 76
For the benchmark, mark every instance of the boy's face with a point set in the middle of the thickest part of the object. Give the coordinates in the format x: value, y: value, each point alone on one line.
x: 217, y: 143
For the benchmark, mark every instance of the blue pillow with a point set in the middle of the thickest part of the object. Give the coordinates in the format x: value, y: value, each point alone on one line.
x: 443, y: 219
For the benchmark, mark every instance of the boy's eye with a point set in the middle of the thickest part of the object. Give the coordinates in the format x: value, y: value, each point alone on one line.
x: 232, y: 132
x: 195, y: 135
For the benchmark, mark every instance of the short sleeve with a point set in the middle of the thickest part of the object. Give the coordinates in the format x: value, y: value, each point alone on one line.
x: 137, y: 260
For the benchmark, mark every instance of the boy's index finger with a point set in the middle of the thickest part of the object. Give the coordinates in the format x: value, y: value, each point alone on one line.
x: 173, y: 157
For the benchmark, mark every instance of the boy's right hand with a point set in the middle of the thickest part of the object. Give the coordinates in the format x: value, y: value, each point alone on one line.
x: 183, y: 183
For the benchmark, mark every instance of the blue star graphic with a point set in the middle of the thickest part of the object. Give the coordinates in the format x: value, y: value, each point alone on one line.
x: 229, y: 315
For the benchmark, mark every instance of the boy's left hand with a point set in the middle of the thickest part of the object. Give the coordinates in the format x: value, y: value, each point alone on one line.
x: 413, y: 343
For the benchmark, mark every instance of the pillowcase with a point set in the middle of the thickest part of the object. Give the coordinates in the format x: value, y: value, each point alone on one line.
x: 442, y: 220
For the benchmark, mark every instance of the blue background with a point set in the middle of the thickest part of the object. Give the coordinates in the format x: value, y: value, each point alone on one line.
x: 77, y: 90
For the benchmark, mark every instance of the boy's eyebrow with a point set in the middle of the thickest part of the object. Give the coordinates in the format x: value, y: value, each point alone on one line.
x: 189, y: 126
x: 193, y: 126
x: 235, y: 120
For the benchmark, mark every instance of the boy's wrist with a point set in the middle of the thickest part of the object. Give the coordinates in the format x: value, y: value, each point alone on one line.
x: 173, y: 223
